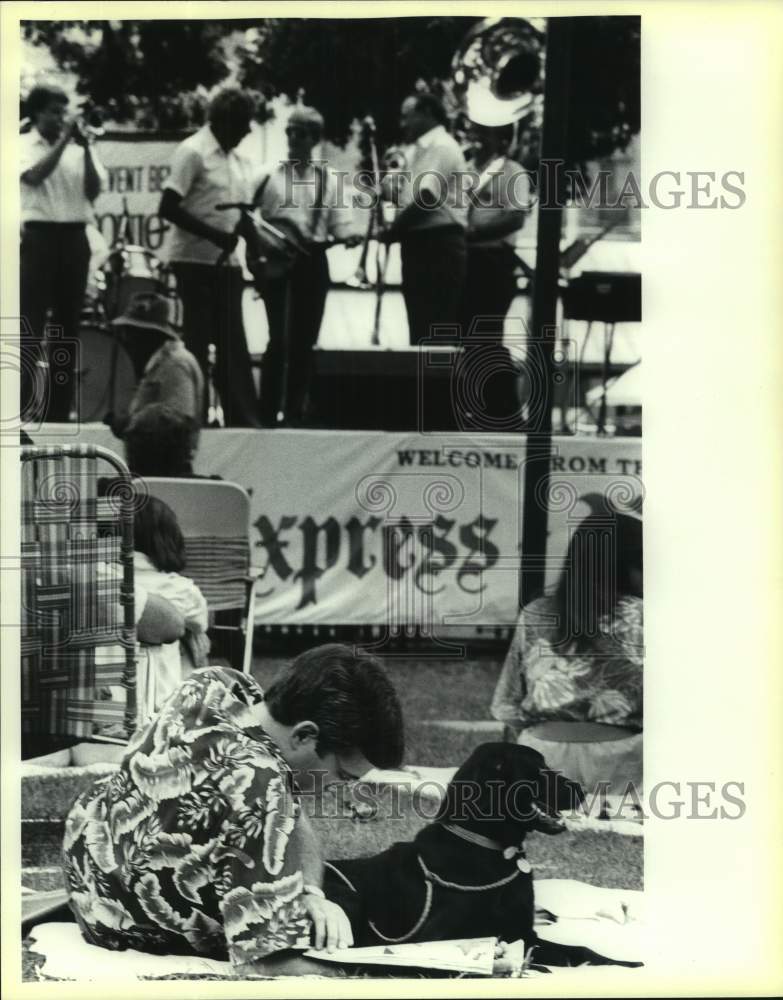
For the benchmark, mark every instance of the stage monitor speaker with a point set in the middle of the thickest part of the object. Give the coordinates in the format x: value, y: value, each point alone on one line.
x: 608, y: 297
x: 377, y: 389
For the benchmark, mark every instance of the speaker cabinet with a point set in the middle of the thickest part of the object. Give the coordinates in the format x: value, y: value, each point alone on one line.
x: 378, y: 389
x: 607, y: 297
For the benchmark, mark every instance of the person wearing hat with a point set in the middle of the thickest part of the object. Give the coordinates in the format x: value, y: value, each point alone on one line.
x: 302, y: 197
x: 169, y: 372
x: 571, y: 686
x: 205, y: 172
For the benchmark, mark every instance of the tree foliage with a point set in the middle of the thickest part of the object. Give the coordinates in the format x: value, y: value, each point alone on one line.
x: 152, y: 74
x: 350, y: 68
x: 355, y: 67
x: 156, y: 74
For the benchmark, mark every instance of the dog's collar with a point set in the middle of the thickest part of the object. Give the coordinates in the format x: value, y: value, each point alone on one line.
x: 509, y: 853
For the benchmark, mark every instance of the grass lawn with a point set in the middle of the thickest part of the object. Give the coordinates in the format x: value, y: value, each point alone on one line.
x: 427, y: 688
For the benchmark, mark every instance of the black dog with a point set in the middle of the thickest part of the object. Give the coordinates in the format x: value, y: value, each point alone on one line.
x: 465, y: 875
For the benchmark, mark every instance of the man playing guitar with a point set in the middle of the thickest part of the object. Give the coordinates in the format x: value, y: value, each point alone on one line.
x: 301, y: 197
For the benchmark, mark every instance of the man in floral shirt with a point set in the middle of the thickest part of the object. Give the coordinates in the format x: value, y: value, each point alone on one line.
x: 199, y: 843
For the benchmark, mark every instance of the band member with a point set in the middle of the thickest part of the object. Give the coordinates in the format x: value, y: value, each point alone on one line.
x: 430, y: 226
x: 302, y: 197
x: 206, y: 171
x: 60, y: 179
x: 500, y: 199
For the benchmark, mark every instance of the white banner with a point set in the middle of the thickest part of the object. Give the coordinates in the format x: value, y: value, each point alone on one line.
x: 137, y: 168
x: 375, y: 528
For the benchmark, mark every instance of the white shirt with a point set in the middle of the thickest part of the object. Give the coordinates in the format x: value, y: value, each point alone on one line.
x: 503, y: 186
x: 436, y: 163
x: 204, y: 175
x: 160, y: 669
x: 293, y: 196
x: 60, y: 197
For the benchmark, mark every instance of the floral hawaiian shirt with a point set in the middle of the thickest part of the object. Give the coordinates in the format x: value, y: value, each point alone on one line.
x: 184, y: 849
x: 541, y: 681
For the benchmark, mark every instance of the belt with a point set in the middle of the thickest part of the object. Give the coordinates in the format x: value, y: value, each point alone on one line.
x: 36, y: 224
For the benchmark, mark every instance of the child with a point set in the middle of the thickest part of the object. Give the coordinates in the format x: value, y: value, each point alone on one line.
x: 158, y: 561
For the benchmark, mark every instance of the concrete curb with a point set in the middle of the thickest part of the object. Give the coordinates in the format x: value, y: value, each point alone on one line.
x: 490, y: 730
x: 49, y: 792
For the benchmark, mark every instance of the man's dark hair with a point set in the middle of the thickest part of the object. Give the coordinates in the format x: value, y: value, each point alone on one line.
x: 41, y: 97
x: 433, y: 106
x: 157, y: 534
x: 159, y: 442
x: 349, y: 696
x: 231, y: 104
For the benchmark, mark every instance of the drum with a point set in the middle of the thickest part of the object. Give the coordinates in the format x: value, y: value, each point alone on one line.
x: 105, y: 377
x: 128, y: 270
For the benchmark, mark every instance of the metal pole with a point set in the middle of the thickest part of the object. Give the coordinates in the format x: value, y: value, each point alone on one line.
x: 545, y: 295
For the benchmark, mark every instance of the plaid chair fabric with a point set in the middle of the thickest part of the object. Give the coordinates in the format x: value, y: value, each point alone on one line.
x: 78, y: 624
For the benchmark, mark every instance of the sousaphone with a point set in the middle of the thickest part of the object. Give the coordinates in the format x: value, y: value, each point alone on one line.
x: 498, y: 69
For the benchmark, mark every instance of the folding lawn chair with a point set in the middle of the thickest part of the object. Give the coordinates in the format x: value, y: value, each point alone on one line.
x: 214, y: 517
x: 78, y: 633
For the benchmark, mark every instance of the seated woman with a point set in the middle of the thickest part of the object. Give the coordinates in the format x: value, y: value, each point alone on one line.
x: 158, y: 562
x: 572, y: 679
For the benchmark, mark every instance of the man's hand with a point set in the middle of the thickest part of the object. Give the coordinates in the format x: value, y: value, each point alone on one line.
x: 331, y: 927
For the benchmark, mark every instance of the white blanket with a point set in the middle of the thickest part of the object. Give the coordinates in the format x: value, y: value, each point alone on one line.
x: 609, y: 921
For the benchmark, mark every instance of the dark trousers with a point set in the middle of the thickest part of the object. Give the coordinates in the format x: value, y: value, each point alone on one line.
x: 433, y: 276
x: 488, y: 376
x: 54, y: 261
x: 294, y: 309
x: 212, y: 314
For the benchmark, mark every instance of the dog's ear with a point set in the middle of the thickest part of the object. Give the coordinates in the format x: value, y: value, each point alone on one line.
x: 477, y: 787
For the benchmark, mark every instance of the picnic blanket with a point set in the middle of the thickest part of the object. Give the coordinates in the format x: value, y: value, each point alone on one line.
x: 608, y: 921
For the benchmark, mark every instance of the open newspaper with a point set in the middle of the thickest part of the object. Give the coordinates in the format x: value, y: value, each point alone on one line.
x: 472, y: 956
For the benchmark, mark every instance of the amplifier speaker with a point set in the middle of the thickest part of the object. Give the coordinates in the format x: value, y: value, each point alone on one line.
x: 608, y: 297
x: 401, y: 390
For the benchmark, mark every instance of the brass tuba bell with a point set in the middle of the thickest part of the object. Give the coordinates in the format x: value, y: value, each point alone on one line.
x: 498, y: 69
